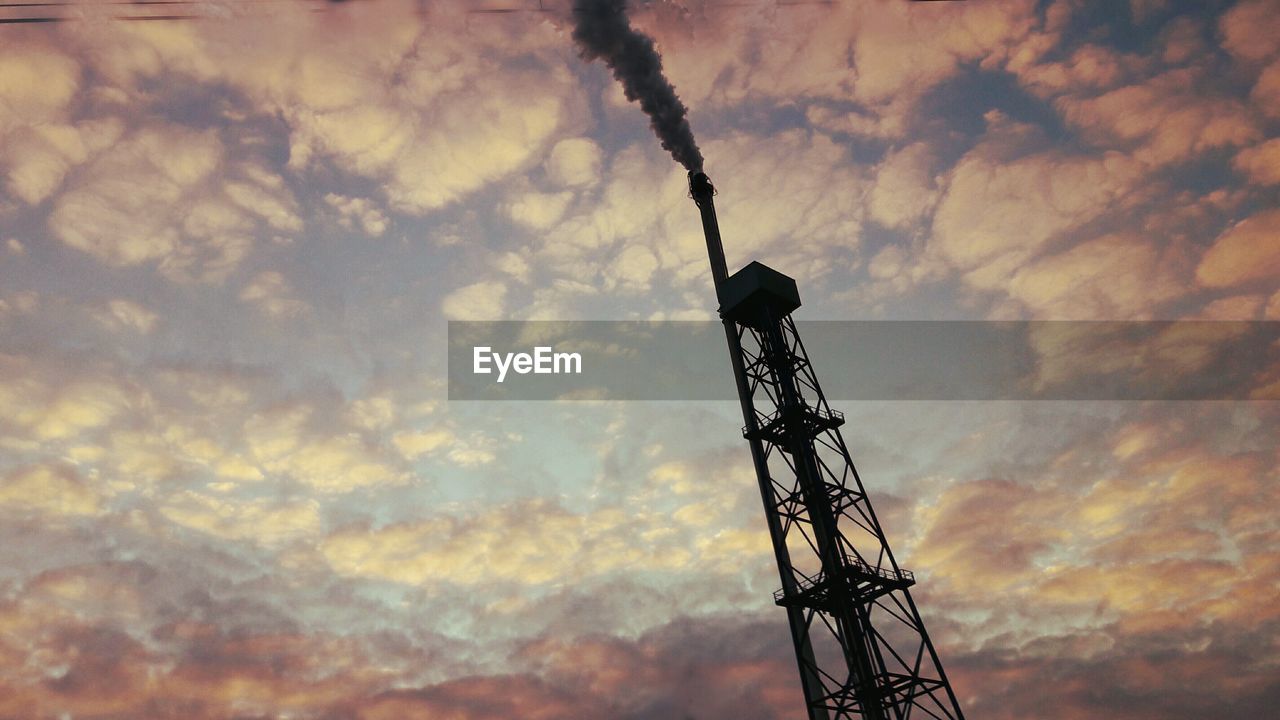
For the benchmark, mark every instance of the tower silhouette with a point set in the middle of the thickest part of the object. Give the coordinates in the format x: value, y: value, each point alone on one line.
x: 861, y: 647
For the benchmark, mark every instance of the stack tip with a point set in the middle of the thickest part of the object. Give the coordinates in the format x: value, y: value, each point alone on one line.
x: 700, y: 185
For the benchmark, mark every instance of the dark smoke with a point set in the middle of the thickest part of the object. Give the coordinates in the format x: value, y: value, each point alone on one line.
x: 603, y: 32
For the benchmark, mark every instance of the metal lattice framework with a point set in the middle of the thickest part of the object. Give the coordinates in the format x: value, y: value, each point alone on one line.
x: 861, y: 647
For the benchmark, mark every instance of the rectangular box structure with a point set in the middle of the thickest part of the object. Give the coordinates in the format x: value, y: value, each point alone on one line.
x: 756, y: 292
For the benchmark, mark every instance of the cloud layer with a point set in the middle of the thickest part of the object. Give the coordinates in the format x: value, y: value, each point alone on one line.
x: 230, y: 484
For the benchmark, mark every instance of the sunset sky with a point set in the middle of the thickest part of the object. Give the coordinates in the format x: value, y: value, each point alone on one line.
x: 232, y: 485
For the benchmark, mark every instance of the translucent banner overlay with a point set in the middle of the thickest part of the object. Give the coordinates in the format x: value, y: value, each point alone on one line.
x: 874, y: 360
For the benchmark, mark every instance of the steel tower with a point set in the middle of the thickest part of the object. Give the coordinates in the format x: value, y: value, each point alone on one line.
x: 862, y: 649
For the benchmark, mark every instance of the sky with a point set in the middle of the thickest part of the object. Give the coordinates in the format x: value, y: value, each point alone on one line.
x: 232, y: 484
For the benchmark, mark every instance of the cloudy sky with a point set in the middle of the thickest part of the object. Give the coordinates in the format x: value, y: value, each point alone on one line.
x: 231, y: 484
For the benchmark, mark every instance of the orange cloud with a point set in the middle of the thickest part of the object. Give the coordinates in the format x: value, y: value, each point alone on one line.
x: 53, y: 490
x: 530, y: 543
x: 274, y: 296
x: 37, y: 84
x: 1164, y: 118
x: 985, y: 536
x: 1110, y: 277
x: 1260, y: 163
x: 1250, y: 30
x: 1247, y: 252
x: 904, y: 188
x: 1266, y: 93
x: 997, y: 214
x: 164, y: 195
x: 868, y: 52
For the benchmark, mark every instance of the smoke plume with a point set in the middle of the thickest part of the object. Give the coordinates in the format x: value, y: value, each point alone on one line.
x: 603, y: 32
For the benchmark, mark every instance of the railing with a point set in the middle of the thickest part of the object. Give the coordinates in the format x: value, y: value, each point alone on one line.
x: 824, y: 418
x: 854, y: 566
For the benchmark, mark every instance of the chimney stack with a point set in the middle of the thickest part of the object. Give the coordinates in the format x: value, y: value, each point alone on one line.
x: 701, y: 190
